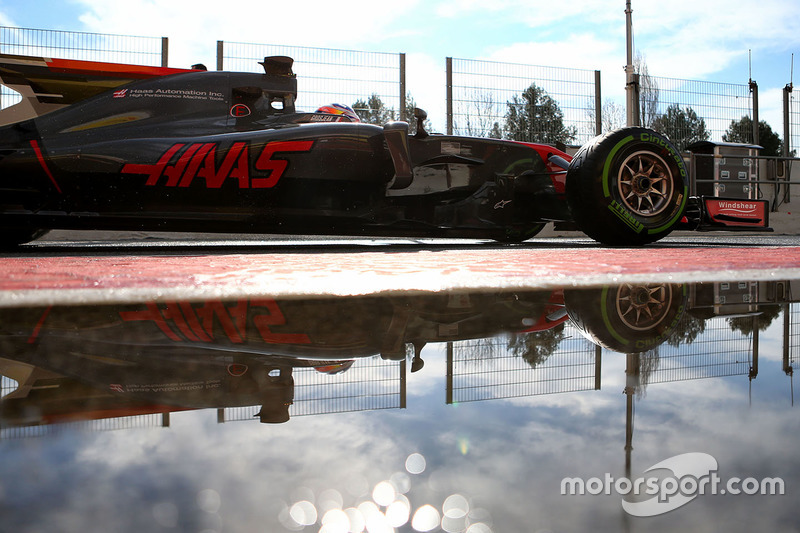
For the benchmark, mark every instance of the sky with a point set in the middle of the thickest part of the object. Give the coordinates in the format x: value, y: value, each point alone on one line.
x: 707, y: 40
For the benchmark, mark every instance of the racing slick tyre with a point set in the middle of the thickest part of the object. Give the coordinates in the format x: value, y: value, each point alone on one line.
x: 629, y: 318
x: 11, y: 237
x: 627, y: 187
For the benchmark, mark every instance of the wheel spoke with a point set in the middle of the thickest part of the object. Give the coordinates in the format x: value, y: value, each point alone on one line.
x: 644, y: 183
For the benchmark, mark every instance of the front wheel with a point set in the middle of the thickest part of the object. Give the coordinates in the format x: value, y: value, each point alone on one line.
x: 627, y: 187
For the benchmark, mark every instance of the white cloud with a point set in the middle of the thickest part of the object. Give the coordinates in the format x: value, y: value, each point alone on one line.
x: 194, y: 28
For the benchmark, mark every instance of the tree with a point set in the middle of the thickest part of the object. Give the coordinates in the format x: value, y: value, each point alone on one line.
x: 746, y: 325
x: 535, y: 347
x: 535, y: 117
x: 648, y: 93
x: 479, y: 116
x: 682, y: 126
x: 741, y: 131
x: 612, y: 116
x: 410, y: 106
x: 374, y: 111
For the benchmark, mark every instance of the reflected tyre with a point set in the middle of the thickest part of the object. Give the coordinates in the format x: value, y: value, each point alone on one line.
x: 627, y: 318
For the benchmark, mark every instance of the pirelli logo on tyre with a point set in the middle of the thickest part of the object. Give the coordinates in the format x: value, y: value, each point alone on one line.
x: 626, y: 216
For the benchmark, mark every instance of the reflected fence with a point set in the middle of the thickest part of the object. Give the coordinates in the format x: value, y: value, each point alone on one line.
x: 491, y: 369
x: 718, y: 337
x: 719, y: 352
x: 368, y: 385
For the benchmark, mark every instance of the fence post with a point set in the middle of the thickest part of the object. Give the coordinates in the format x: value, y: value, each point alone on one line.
x: 165, y: 51
x: 403, y: 87
x: 787, y: 141
x: 787, y: 128
x: 754, y: 90
x: 220, y: 50
x: 598, y: 105
x: 449, y: 69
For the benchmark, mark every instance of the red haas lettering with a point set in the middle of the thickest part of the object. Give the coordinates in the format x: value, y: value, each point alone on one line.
x: 181, y: 164
x: 183, y: 321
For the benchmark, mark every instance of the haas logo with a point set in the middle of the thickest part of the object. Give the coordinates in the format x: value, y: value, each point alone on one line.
x: 182, y: 163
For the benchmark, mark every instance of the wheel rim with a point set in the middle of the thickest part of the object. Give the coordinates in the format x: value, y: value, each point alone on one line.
x: 643, y: 307
x: 645, y: 183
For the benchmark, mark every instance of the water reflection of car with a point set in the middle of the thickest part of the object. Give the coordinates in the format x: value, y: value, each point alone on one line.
x: 245, y: 352
x: 239, y: 353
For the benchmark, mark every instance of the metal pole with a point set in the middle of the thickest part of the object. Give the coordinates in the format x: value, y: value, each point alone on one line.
x: 403, y: 373
x: 220, y: 54
x: 632, y: 100
x: 403, y: 87
x: 598, y: 105
x: 165, y: 51
x: 787, y: 140
x: 786, y: 337
x: 787, y: 127
x: 449, y: 68
x: 754, y: 90
x: 449, y: 383
x: 598, y: 358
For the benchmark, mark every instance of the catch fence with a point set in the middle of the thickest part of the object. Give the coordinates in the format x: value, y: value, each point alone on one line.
x: 106, y: 48
x: 484, y: 97
x: 688, y: 110
x: 793, y: 120
x: 103, y: 47
x: 329, y: 75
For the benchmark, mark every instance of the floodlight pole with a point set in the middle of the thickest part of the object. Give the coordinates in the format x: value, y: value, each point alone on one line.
x: 631, y: 78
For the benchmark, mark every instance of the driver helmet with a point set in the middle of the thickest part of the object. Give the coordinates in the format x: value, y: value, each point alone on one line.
x: 339, y: 109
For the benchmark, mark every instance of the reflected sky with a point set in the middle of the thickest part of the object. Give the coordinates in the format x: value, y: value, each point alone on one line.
x: 105, y: 425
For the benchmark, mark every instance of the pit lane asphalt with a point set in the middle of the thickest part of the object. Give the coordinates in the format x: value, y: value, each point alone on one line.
x: 97, y: 268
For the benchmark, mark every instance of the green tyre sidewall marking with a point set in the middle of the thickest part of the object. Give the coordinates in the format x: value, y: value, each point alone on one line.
x: 609, y: 160
x: 607, y: 320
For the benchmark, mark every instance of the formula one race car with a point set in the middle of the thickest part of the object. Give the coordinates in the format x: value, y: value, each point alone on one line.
x: 191, y: 150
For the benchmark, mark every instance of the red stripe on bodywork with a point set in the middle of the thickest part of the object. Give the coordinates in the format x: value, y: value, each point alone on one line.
x: 112, y: 70
x: 42, y: 162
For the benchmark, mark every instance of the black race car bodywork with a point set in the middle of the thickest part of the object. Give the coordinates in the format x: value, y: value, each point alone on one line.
x: 228, y: 152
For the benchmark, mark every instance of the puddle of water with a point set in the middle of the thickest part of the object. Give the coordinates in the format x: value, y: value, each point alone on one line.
x: 626, y: 407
